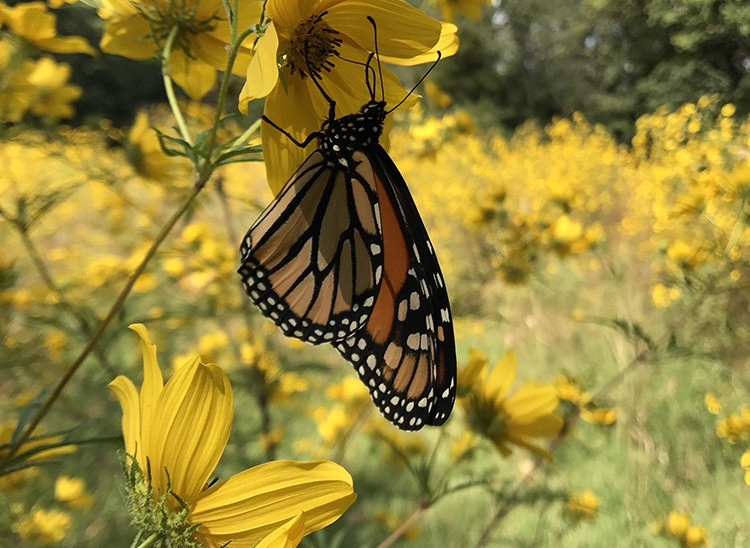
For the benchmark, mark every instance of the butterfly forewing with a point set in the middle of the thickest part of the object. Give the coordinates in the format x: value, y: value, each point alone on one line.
x: 405, y: 354
x: 312, y: 261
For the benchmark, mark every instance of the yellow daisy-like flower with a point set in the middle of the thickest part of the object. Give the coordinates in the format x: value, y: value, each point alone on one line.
x: 331, y: 38
x: 177, y: 431
x: 54, y: 94
x: 32, y: 22
x: 145, y: 154
x: 516, y: 418
x: 584, y: 504
x: 138, y: 29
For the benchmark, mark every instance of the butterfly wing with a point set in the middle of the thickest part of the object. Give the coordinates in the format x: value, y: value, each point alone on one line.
x: 406, y: 353
x: 312, y: 261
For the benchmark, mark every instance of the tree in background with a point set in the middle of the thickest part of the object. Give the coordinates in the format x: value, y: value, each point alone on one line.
x: 612, y: 60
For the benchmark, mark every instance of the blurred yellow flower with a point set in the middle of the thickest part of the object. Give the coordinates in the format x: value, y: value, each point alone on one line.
x: 32, y: 22
x: 178, y: 431
x: 712, y: 403
x: 145, y: 154
x: 53, y: 93
x: 662, y: 296
x: 322, y: 33
x: 471, y: 9
x: 516, y: 418
x: 677, y: 523
x: 43, y: 527
x: 569, y: 390
x: 585, y: 504
x: 72, y: 491
x: 745, y: 463
x: 696, y: 536
x: 138, y: 29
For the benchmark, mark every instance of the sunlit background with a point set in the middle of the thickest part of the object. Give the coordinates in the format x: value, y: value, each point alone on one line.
x: 583, y: 169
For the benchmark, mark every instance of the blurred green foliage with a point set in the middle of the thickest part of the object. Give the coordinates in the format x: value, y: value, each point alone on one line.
x: 612, y: 60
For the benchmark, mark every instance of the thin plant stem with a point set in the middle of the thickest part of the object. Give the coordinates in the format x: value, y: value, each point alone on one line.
x: 408, y: 522
x: 227, y: 76
x: 116, y: 306
x: 149, y: 541
x: 512, y: 497
x: 169, y: 87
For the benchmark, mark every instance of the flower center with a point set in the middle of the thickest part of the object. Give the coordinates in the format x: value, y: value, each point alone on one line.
x: 163, y: 17
x: 311, y: 45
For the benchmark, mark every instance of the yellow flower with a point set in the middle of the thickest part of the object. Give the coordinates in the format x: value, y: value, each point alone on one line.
x: 696, y: 536
x: 138, y: 29
x: 43, y: 526
x: 53, y: 93
x: 335, y: 38
x: 745, y: 463
x: 712, y: 403
x: 516, y: 418
x: 178, y: 431
x: 145, y: 153
x: 471, y: 9
x: 605, y: 416
x: 32, y: 22
x: 677, y: 523
x: 72, y: 491
x: 584, y: 504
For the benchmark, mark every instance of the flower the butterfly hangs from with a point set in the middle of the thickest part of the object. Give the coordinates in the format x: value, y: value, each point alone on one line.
x: 341, y: 256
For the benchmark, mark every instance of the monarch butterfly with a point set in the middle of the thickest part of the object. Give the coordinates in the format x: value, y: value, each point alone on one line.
x: 342, y: 256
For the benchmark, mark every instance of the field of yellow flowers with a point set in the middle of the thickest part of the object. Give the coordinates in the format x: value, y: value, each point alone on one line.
x: 600, y: 291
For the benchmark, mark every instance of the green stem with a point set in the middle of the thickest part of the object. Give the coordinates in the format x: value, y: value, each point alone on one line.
x: 408, y: 522
x: 240, y: 141
x: 227, y: 76
x: 44, y: 409
x: 169, y: 87
x: 149, y: 541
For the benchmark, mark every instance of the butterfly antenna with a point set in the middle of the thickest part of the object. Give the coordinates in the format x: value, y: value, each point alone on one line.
x: 368, y: 68
x: 429, y: 70
x: 331, y: 102
x: 377, y: 55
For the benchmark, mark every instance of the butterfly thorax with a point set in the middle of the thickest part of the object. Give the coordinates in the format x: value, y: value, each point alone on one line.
x: 340, y: 138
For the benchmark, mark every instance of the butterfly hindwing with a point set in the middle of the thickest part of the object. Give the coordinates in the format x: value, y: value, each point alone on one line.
x: 312, y: 261
x: 405, y: 353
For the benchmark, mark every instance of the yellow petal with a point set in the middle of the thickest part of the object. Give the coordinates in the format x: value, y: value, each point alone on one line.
x: 501, y: 378
x: 195, y: 76
x: 128, y: 37
x: 403, y: 30
x: 66, y: 44
x: 529, y: 446
x: 190, y: 431
x: 345, y: 83
x: 31, y: 21
x: 263, y: 71
x: 293, y: 110
x: 447, y: 45
x: 152, y: 379
x: 125, y: 391
x: 288, y: 535
x: 287, y: 15
x: 544, y: 426
x: 252, y: 504
x: 530, y: 401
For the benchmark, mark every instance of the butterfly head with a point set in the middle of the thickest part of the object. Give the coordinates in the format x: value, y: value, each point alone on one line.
x: 340, y: 138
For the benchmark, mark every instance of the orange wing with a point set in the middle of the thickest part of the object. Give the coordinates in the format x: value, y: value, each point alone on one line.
x: 406, y: 352
x: 312, y: 262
